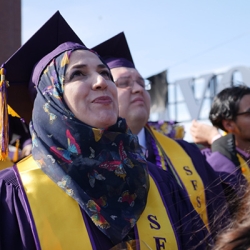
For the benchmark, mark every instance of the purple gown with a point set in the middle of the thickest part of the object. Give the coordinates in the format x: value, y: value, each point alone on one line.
x: 15, y: 230
x: 223, y: 158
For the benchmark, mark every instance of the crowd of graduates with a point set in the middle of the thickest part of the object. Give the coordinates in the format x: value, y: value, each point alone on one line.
x: 122, y: 182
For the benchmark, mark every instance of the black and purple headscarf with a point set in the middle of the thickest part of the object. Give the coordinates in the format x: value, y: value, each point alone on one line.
x: 104, y: 170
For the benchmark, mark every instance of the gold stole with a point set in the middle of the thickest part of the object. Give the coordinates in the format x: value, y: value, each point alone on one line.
x: 59, y: 221
x: 244, y: 168
x: 6, y: 163
x: 57, y: 216
x: 187, y: 173
x: 154, y: 226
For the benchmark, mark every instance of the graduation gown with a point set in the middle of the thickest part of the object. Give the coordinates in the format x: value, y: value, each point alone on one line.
x: 223, y: 156
x: 15, y: 215
x: 215, y: 197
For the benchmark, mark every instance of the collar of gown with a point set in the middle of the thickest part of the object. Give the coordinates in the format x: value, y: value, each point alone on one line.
x: 142, y: 140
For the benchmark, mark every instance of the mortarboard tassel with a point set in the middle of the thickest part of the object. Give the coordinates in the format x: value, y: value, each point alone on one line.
x: 4, y: 123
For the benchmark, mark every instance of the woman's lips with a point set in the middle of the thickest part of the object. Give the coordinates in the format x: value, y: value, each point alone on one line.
x: 103, y: 100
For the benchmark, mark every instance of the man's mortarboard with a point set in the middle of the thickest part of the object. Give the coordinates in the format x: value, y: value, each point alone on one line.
x: 20, y: 65
x: 115, y: 52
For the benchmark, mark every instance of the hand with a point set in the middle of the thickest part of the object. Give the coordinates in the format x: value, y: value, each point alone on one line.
x: 203, y: 133
x: 26, y: 150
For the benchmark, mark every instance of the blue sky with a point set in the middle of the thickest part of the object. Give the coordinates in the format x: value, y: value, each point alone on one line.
x: 186, y: 37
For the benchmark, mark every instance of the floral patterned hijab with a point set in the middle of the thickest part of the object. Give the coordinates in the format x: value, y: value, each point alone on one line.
x: 104, y: 170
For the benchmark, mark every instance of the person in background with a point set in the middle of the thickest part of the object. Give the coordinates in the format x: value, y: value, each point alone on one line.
x: 180, y: 158
x: 100, y: 191
x: 229, y: 154
x: 19, y: 140
x: 168, y: 128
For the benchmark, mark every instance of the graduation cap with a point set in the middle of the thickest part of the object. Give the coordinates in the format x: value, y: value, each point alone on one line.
x: 115, y: 52
x: 20, y: 65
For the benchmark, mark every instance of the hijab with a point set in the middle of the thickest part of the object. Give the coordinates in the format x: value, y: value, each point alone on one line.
x: 104, y: 170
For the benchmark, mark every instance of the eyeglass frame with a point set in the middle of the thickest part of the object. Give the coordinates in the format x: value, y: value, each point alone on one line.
x: 132, y: 83
x: 244, y: 113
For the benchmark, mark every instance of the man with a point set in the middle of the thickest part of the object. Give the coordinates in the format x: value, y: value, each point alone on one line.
x: 229, y: 154
x: 181, y: 158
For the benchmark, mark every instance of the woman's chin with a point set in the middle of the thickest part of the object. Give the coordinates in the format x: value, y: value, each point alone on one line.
x: 109, y: 124
x: 105, y: 121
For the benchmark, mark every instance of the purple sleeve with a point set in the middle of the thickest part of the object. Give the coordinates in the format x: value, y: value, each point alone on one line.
x: 15, y: 230
x: 223, y: 158
x: 229, y: 174
x: 220, y: 163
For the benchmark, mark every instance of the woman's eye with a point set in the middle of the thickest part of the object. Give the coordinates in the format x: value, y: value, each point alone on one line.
x: 106, y: 75
x: 76, y: 74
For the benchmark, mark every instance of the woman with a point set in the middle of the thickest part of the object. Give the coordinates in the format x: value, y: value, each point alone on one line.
x: 87, y: 184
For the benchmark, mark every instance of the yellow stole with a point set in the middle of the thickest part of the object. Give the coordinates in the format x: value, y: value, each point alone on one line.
x: 186, y: 172
x: 244, y: 168
x: 59, y: 221
x: 6, y: 163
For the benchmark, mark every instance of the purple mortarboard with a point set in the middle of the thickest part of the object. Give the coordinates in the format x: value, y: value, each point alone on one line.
x: 115, y: 52
x: 20, y: 65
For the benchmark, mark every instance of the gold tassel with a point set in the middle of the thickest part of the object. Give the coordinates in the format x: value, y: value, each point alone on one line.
x: 4, y: 123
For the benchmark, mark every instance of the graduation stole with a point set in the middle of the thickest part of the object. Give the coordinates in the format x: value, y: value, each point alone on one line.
x: 180, y: 163
x: 60, y: 224
x: 6, y: 163
x: 244, y: 167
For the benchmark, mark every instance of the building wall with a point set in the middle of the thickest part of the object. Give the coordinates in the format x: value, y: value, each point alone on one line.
x: 10, y: 28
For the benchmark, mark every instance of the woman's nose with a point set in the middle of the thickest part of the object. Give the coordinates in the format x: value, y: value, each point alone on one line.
x: 100, y: 82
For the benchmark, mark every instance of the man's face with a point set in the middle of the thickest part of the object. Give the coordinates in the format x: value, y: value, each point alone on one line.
x: 241, y: 126
x: 134, y: 100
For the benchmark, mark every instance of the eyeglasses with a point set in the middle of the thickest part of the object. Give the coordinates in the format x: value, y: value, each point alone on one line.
x: 244, y: 113
x: 128, y: 82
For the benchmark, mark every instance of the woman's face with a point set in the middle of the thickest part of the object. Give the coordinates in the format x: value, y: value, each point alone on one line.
x: 88, y: 90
